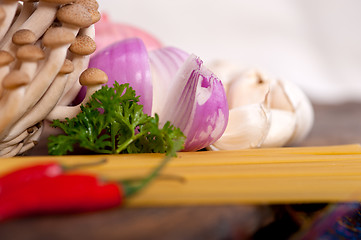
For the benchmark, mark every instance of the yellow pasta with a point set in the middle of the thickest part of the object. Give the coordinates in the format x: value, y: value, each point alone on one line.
x: 253, y: 176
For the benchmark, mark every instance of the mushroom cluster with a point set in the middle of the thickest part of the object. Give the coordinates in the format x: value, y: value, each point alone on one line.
x: 44, y: 54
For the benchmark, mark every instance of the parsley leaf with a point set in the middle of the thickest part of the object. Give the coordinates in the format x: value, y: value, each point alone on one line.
x: 113, y: 122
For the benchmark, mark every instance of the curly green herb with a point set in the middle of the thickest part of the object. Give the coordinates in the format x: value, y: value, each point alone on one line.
x: 113, y: 122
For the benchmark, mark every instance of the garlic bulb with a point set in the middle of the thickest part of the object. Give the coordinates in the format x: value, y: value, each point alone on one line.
x: 263, y: 112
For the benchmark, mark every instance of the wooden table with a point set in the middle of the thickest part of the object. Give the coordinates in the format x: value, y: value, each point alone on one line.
x: 338, y: 124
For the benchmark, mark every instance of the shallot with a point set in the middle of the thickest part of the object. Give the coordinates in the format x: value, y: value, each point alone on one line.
x: 172, y: 83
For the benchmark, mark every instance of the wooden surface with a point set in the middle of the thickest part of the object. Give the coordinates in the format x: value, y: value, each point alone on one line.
x: 339, y: 124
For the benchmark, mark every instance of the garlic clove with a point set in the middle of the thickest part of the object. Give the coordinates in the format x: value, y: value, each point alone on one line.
x: 289, y: 111
x: 282, y: 127
x: 303, y: 110
x: 279, y: 99
x: 247, y: 128
x: 250, y: 87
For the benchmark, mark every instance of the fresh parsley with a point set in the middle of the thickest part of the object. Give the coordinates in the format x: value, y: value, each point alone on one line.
x: 113, y: 122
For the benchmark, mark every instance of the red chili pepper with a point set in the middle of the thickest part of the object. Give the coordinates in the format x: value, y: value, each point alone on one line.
x: 61, y: 194
x: 65, y: 193
x: 21, y: 176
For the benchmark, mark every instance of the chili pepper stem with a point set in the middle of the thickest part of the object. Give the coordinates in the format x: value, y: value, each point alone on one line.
x: 130, y: 189
x: 82, y: 165
x: 171, y: 177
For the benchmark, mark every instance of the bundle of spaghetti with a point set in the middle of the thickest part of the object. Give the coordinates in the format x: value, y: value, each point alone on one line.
x: 254, y: 176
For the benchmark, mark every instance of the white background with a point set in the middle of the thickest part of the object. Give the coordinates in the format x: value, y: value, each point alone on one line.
x: 315, y: 43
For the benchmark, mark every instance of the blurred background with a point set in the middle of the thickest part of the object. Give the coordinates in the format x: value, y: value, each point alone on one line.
x: 316, y: 44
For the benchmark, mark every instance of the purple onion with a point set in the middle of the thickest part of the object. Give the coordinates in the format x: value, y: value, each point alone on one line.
x: 200, y: 110
x: 171, y: 83
x: 165, y: 63
x: 127, y: 61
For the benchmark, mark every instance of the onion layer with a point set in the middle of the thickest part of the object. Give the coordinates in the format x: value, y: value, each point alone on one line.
x: 127, y: 61
x: 171, y: 83
x: 109, y: 32
x: 165, y: 63
x: 197, y: 104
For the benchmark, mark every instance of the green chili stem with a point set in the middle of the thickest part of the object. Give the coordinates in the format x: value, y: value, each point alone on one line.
x: 131, y: 190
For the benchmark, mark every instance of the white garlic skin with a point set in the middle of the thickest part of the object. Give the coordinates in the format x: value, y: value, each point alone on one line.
x: 288, y: 116
x: 247, y: 127
x: 303, y: 110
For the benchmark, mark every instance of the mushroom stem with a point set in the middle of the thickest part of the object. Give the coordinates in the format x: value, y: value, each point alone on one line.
x: 17, y: 139
x: 27, y: 146
x: 29, y: 55
x: 38, y: 33
x: 72, y: 28
x: 58, y: 40
x: 26, y: 11
x: 45, y: 77
x: 10, y: 104
x: 9, y: 7
x: 27, y: 141
x: 4, y: 70
x: 63, y: 112
x: 29, y: 68
x: 93, y: 78
x: 80, y: 64
x: 11, y: 151
x: 73, y: 87
x: 43, y: 80
x: 32, y: 139
x: 5, y: 59
x: 41, y: 109
x: 2, y: 15
x: 41, y: 19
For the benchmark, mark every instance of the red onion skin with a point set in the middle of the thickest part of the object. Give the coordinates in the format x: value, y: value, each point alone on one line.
x: 201, y: 112
x: 127, y: 61
x: 164, y: 62
x: 210, y: 118
x: 108, y: 32
x: 201, y: 109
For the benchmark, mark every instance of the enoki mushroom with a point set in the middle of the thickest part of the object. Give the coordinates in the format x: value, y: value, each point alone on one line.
x: 44, y: 49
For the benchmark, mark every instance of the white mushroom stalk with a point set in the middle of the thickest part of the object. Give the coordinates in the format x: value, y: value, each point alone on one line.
x: 9, y: 7
x: 5, y: 59
x: 43, y: 49
x: 93, y: 79
x: 26, y: 10
x: 80, y: 56
x: 264, y: 112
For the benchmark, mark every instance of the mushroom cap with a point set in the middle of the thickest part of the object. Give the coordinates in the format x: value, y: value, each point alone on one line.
x: 60, y: 2
x: 83, y: 45
x: 30, y: 53
x: 75, y: 14
x: 5, y: 58
x: 95, y: 14
x: 57, y: 36
x: 93, y: 4
x: 93, y: 76
x: 24, y: 36
x: 15, y: 79
x: 67, y: 67
x: 2, y: 14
